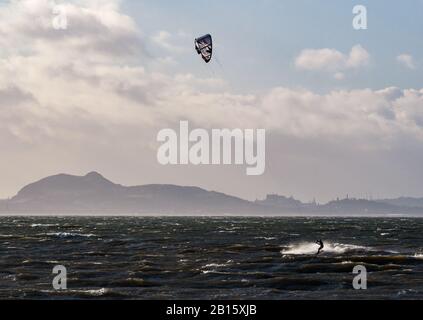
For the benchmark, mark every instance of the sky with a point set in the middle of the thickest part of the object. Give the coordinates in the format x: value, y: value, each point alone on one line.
x: 342, y: 108
x: 270, y: 33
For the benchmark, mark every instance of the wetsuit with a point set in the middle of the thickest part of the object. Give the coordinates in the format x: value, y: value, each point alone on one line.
x: 320, y: 243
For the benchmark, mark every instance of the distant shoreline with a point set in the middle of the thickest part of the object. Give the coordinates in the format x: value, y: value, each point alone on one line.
x: 94, y: 195
x: 153, y: 215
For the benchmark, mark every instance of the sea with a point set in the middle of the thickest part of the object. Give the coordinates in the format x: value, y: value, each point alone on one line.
x: 151, y: 258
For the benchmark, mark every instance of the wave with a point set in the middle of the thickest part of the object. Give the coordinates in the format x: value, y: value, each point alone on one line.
x: 94, y: 292
x: 6, y: 236
x: 70, y: 235
x: 265, y: 238
x: 42, y: 225
x: 212, y: 267
x: 308, y: 248
x: 88, y: 293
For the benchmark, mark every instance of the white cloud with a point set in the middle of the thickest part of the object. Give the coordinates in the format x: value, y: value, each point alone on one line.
x: 84, y: 99
x: 332, y: 60
x: 406, y: 60
x: 170, y: 42
x: 61, y: 83
x: 358, y: 57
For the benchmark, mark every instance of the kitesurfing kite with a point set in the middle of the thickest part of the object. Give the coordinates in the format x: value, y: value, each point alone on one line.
x: 204, y: 47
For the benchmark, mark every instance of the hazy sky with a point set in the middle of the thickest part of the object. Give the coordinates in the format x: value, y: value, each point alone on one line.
x: 343, y: 108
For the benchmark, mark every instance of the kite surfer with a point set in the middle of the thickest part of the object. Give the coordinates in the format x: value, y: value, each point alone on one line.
x: 321, y: 246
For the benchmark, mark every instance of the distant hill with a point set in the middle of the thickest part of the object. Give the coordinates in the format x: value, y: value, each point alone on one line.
x: 94, y: 194
x: 404, y: 202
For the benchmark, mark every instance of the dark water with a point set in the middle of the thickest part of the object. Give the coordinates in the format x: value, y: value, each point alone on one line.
x: 210, y: 258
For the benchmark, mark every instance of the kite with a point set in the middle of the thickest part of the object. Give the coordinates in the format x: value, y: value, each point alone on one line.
x: 204, y: 47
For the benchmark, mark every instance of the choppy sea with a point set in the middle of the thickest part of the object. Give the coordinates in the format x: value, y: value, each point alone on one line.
x: 210, y: 258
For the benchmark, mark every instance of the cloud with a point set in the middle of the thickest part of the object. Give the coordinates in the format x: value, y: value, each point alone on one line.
x: 358, y: 57
x: 407, y: 61
x: 88, y: 98
x: 13, y: 96
x: 110, y: 87
x: 96, y: 28
x: 332, y: 60
x: 170, y: 42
